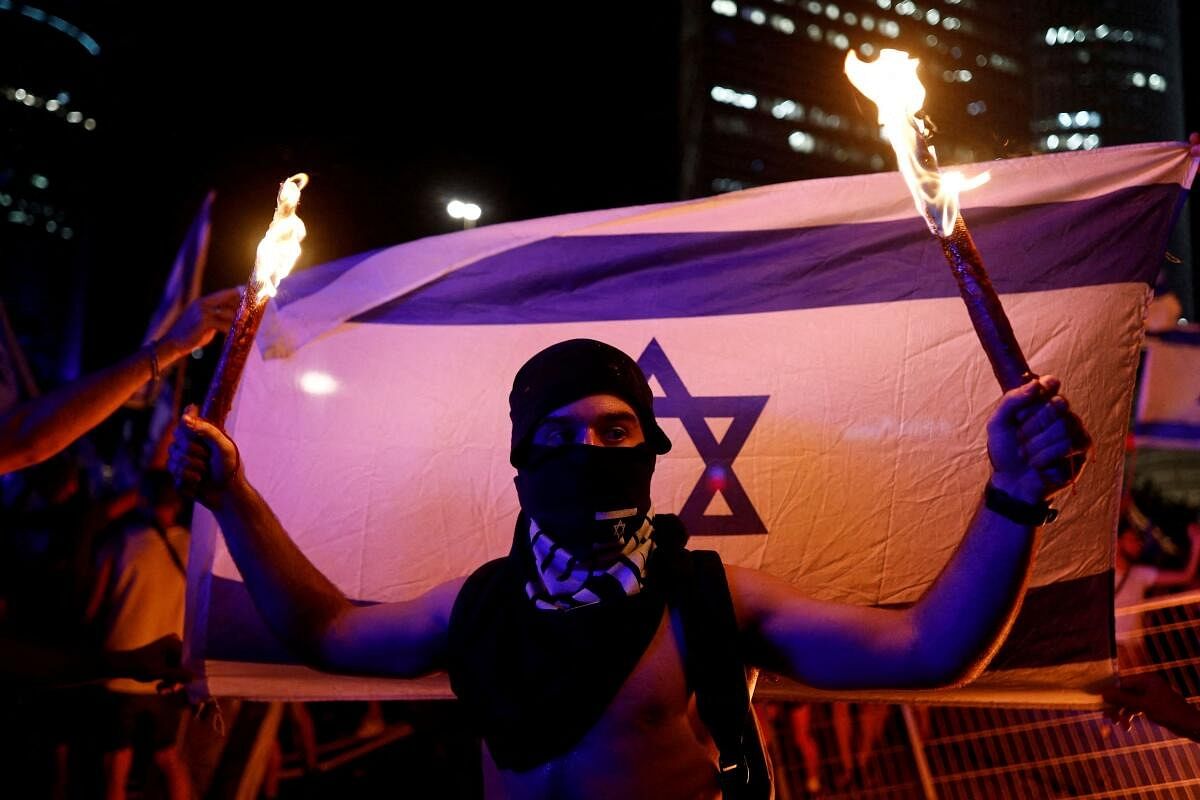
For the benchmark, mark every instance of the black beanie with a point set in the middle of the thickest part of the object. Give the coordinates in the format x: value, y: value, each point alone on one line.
x: 569, y: 371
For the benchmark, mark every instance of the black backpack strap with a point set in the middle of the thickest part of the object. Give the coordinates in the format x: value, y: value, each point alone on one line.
x: 717, y: 674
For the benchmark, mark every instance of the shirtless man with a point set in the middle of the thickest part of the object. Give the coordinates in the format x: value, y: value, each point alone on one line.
x: 602, y: 706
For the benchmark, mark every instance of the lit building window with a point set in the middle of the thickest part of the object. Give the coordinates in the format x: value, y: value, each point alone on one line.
x: 783, y: 24
x: 787, y: 109
x: 802, y: 142
x: 729, y: 185
x: 1138, y: 79
x: 840, y: 41
x: 884, y: 4
x: 832, y: 11
x: 723, y: 94
x: 849, y: 18
x: 726, y: 8
x: 951, y: 23
x: 933, y: 16
x: 813, y: 7
x: 755, y: 15
x: 976, y: 108
x: 868, y: 22
x: 1074, y: 141
x: 1101, y: 31
x: 826, y: 120
x: 1052, y: 142
x: 889, y: 28
x: 867, y: 49
x: 1091, y: 141
x: 1157, y: 82
x: 814, y: 32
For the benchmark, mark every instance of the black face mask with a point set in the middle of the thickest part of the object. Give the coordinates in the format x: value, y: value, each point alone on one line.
x: 585, y: 495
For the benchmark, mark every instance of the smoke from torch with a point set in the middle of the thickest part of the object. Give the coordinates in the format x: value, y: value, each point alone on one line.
x: 276, y: 255
x: 891, y: 83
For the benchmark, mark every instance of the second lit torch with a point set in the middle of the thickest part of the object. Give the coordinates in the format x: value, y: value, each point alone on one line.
x: 276, y: 255
x: 891, y: 82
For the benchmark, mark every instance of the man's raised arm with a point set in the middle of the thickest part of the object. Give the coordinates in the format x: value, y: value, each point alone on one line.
x: 1036, y: 447
x: 301, y: 606
x: 43, y: 426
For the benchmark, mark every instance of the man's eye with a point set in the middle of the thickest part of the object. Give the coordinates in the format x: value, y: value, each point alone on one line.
x: 616, y: 434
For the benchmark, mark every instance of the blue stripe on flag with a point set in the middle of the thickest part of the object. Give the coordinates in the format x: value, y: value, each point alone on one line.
x: 302, y: 283
x: 649, y: 276
x: 1168, y: 430
x: 1186, y: 337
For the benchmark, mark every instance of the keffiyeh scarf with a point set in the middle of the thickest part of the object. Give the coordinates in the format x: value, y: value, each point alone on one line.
x: 562, y: 581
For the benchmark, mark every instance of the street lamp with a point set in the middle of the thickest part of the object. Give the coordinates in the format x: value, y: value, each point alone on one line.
x: 469, y: 213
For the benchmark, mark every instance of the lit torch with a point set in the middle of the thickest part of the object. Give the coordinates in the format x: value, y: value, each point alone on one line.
x: 276, y: 255
x: 891, y: 83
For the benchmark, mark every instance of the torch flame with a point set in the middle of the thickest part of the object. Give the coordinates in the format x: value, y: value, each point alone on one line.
x: 280, y: 247
x: 891, y: 83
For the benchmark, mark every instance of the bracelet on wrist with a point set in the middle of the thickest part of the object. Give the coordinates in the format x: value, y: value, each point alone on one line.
x: 155, y: 372
x: 1019, y: 511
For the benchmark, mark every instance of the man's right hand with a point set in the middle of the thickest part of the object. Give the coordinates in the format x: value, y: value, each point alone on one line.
x: 204, y: 461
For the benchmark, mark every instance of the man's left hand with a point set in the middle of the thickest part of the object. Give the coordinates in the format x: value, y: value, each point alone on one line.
x: 1036, y: 444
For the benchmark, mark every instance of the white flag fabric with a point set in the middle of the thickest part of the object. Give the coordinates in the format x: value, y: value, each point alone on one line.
x: 1168, y: 406
x: 812, y: 363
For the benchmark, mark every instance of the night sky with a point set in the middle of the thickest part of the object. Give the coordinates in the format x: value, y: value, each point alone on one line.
x: 526, y: 109
x: 392, y: 116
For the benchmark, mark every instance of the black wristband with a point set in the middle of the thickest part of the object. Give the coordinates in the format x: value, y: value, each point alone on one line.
x: 1004, y: 504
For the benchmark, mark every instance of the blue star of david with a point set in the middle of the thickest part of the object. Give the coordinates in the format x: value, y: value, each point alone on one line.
x: 718, y: 475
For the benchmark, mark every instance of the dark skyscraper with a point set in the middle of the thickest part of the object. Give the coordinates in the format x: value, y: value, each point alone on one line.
x: 48, y: 118
x: 765, y: 99
x: 1107, y: 72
